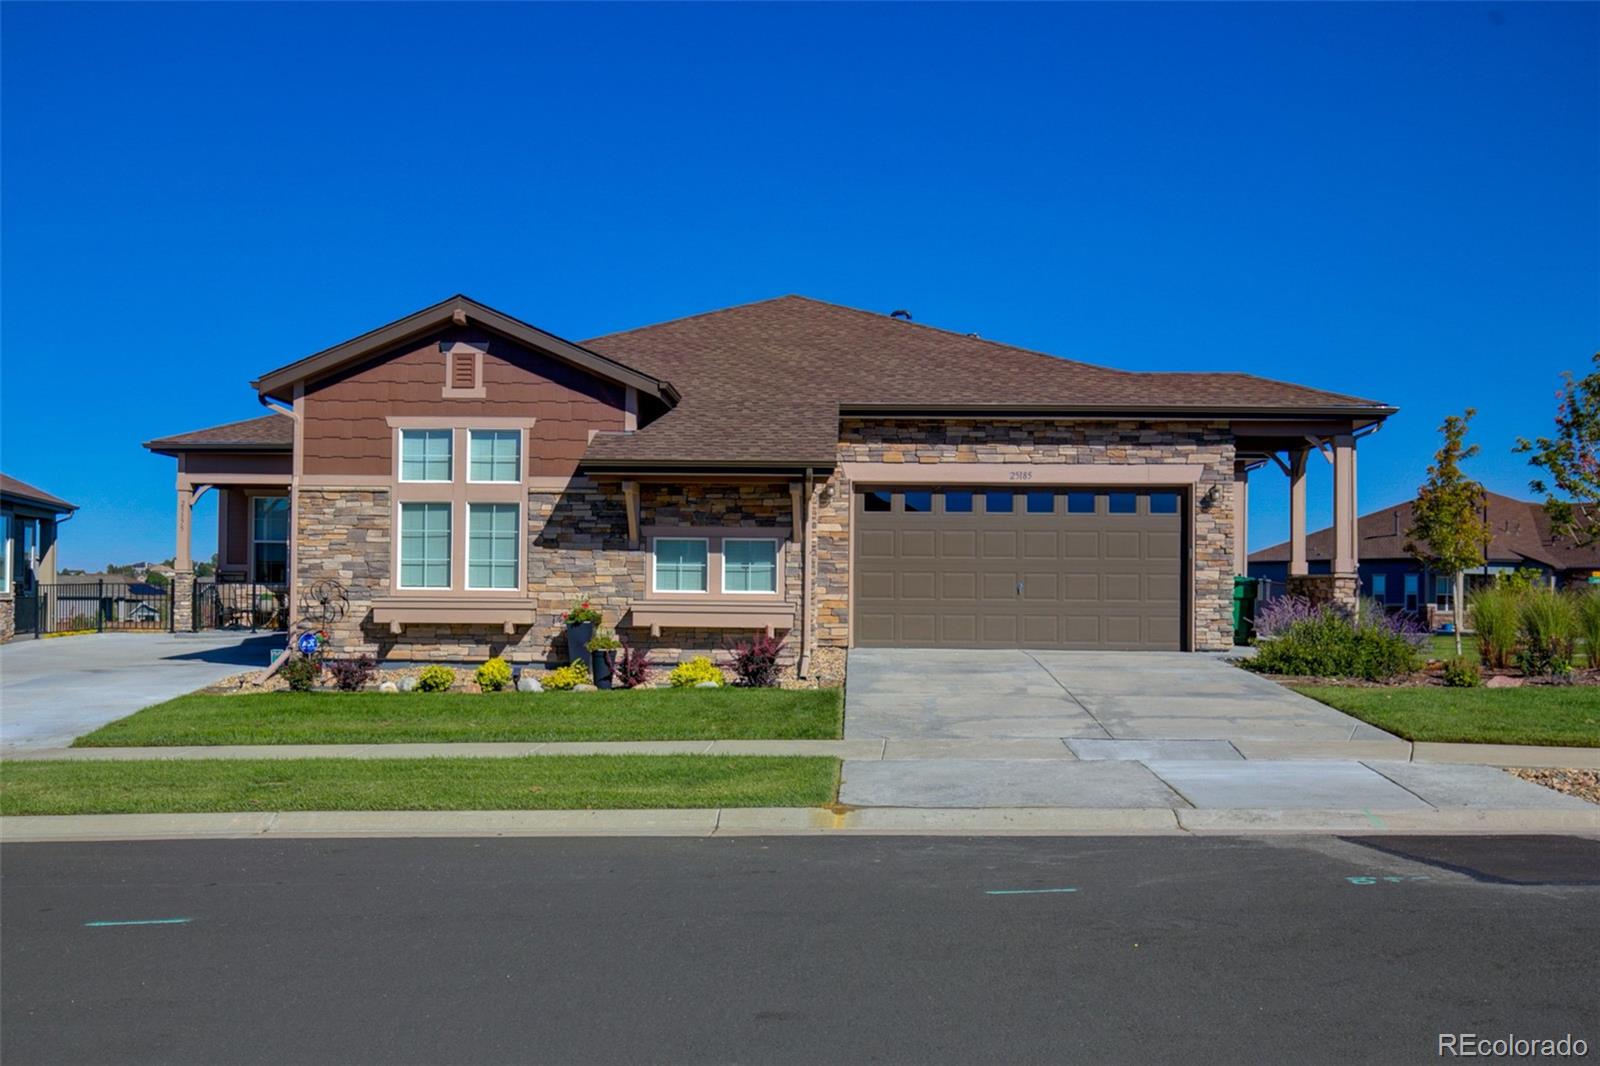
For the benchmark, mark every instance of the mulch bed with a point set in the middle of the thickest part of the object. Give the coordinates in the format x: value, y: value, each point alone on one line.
x: 1585, y: 784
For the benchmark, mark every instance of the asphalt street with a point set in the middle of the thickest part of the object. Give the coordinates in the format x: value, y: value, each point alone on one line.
x: 796, y: 949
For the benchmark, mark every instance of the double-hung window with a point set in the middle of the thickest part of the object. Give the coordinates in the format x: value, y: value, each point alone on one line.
x: 424, y: 545
x: 680, y: 564
x: 749, y: 565
x: 492, y: 545
x: 269, y: 539
x: 494, y: 455
x: 425, y: 455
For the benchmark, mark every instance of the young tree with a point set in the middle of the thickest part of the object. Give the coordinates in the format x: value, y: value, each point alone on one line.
x: 1571, y: 459
x: 1448, y: 530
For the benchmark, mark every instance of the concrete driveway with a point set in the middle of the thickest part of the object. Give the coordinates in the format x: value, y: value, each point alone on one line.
x: 1130, y: 697
x: 54, y: 690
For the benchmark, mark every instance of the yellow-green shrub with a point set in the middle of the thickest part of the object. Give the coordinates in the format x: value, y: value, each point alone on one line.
x: 693, y: 672
x: 435, y: 678
x: 494, y: 675
x: 566, y: 677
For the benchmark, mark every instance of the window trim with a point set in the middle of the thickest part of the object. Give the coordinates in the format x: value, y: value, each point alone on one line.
x: 521, y: 437
x: 399, y: 547
x: 6, y: 537
x: 516, y: 558
x: 655, y: 566
x: 250, y: 563
x: 722, y: 575
x: 400, y: 456
x: 1380, y: 587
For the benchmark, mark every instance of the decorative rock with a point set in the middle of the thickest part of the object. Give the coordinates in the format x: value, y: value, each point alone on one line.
x: 529, y: 683
x: 408, y: 684
x: 388, y: 686
x: 1502, y: 681
x: 584, y: 688
x: 707, y: 684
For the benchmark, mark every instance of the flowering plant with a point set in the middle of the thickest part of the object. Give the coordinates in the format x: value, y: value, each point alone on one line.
x: 581, y: 613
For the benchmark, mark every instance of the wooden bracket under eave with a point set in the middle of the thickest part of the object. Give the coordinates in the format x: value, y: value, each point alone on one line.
x: 459, y: 317
x: 796, y: 489
x: 630, y: 500
x: 395, y: 628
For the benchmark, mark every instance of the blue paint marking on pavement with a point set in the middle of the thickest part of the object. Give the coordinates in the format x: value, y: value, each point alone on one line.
x: 141, y: 921
x: 1024, y: 891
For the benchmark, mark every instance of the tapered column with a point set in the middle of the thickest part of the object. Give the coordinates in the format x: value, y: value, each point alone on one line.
x: 1297, y: 513
x: 180, y: 558
x: 1344, y: 504
x: 1241, y: 518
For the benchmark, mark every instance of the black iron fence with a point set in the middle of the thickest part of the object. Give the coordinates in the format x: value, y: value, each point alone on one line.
x: 241, y: 605
x: 92, y: 607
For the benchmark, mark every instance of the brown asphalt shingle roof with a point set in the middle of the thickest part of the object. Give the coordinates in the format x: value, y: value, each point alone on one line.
x: 21, y: 490
x: 1520, y: 528
x: 267, y: 433
x: 764, y: 382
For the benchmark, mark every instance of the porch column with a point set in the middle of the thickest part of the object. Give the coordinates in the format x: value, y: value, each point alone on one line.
x: 1241, y: 518
x: 1297, y: 513
x: 1344, y: 504
x: 182, y: 565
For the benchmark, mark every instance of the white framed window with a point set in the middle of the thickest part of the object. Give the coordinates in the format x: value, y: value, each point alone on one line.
x: 425, y: 454
x: 494, y: 455
x: 5, y: 567
x: 424, y: 545
x: 492, y: 545
x: 749, y: 565
x: 680, y: 564
x: 269, y: 539
x: 1380, y: 587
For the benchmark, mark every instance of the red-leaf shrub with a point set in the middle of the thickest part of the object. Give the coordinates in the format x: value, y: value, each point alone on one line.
x: 756, y: 662
x: 632, y: 669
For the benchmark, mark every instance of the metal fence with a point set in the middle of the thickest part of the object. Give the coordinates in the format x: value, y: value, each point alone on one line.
x: 241, y: 605
x: 92, y: 607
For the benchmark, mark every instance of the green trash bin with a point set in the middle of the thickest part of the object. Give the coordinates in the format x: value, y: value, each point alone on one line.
x: 1244, y: 609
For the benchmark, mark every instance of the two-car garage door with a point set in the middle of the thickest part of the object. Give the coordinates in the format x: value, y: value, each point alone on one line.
x: 1030, y: 568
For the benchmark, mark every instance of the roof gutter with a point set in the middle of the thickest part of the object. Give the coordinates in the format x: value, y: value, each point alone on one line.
x: 893, y: 410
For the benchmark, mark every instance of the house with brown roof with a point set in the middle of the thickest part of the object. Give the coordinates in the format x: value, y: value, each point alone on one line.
x: 1520, y: 539
x: 29, y: 521
x: 445, y: 486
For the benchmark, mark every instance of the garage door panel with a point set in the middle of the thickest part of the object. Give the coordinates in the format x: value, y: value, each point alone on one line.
x: 996, y: 580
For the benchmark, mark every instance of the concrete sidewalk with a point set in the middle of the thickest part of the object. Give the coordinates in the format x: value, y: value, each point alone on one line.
x: 776, y: 821
x: 876, y: 750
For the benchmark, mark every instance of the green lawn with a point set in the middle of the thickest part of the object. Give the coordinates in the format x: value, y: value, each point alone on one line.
x: 1443, y: 646
x: 571, y: 782
x: 1568, y: 716
x: 426, y: 717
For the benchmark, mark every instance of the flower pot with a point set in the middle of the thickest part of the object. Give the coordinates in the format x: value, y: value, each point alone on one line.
x: 579, y: 634
x: 604, y: 667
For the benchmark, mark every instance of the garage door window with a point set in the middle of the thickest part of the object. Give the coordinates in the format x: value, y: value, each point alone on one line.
x: 1080, y: 503
x: 1041, y: 501
x: 1163, y: 503
x: 1124, y: 502
x: 919, y: 502
x: 878, y: 500
x: 958, y: 502
x: 680, y: 564
x: 997, y: 502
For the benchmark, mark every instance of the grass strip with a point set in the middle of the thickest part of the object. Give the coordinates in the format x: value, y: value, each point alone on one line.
x: 1562, y: 716
x: 442, y: 717
x: 535, y: 783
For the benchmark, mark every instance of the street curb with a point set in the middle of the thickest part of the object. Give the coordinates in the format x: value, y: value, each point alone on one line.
x: 785, y: 821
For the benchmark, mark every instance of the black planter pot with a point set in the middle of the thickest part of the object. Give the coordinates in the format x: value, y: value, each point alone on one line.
x: 579, y: 634
x: 604, y: 667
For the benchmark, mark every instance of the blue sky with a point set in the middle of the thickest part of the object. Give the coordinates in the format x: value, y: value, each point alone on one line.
x: 1394, y: 201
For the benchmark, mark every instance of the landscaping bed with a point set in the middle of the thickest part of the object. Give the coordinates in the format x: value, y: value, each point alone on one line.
x: 1585, y: 784
x: 437, y: 717
x: 587, y: 782
x: 1561, y: 715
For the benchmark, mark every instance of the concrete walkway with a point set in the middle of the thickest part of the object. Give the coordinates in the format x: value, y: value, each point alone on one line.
x: 54, y: 690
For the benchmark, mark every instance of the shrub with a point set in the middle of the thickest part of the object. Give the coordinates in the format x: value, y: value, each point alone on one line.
x: 301, y: 672
x: 1462, y: 673
x: 1276, y: 615
x: 1587, y: 602
x: 603, y: 641
x: 579, y: 613
x: 756, y: 663
x: 1495, y: 614
x: 351, y: 675
x: 693, y: 672
x: 633, y: 668
x: 564, y: 678
x: 1329, y: 643
x: 493, y: 675
x: 1549, y: 632
x: 435, y: 678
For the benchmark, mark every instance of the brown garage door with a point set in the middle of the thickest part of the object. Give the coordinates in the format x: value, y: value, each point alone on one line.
x: 1004, y: 568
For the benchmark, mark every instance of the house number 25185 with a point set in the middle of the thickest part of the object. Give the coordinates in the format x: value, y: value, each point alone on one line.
x: 1021, y: 475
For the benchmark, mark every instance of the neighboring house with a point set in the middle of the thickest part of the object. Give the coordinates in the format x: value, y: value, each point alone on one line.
x: 29, y: 518
x: 1520, y: 539
x: 445, y: 486
x: 83, y: 601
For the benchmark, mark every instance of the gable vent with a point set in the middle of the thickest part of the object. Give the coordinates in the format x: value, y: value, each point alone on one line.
x: 463, y: 369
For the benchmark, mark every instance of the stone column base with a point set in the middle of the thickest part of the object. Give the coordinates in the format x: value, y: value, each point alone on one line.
x: 183, y: 601
x: 1342, y: 590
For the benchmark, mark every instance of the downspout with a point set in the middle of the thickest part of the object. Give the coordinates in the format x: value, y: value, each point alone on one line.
x: 294, y: 510
x: 804, y: 666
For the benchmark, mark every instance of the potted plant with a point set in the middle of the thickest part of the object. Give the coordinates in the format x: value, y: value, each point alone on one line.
x: 603, y: 648
x: 581, y: 620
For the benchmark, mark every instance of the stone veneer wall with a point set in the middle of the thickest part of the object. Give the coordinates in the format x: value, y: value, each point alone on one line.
x: 1208, y: 444
x: 8, y: 618
x: 577, y: 550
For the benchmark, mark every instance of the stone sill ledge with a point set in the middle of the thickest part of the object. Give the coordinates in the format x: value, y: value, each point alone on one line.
x: 717, y: 614
x: 508, y: 612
